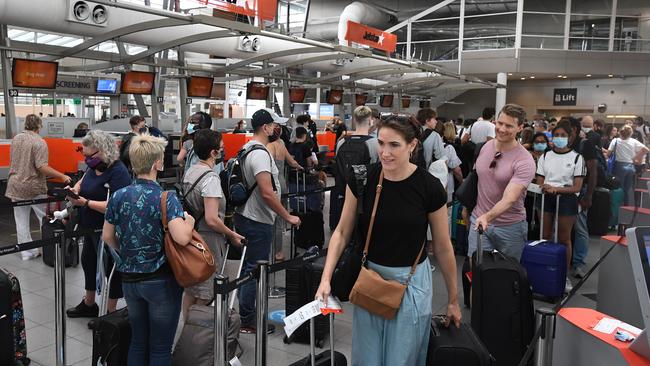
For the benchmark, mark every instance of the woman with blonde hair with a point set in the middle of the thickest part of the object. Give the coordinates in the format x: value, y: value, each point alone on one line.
x: 134, y: 228
x: 105, y: 169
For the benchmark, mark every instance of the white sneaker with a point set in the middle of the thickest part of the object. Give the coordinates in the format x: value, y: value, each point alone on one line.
x: 568, y: 286
x: 27, y: 255
x: 578, y: 272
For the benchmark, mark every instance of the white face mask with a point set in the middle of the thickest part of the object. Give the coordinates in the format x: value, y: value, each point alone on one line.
x: 586, y: 129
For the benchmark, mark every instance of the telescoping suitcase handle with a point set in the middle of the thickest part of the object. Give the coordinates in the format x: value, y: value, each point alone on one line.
x: 557, y: 215
x: 312, y: 340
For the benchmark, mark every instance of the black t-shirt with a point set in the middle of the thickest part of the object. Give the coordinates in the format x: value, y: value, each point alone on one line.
x: 401, y: 222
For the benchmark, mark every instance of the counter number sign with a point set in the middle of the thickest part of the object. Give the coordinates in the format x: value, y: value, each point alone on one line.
x: 13, y: 92
x: 188, y: 100
x: 160, y: 99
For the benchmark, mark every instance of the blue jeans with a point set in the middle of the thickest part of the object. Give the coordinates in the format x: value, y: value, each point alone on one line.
x: 259, y: 237
x: 154, y: 308
x: 580, y: 240
x: 624, y: 172
x: 508, y: 239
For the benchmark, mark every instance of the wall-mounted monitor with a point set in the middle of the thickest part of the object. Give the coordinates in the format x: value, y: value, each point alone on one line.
x: 386, y: 101
x: 406, y: 102
x: 138, y: 82
x: 34, y: 74
x: 425, y: 104
x: 218, y: 91
x: 297, y: 95
x: 638, y: 246
x: 361, y: 99
x: 107, y: 86
x: 199, y: 87
x: 257, y: 91
x: 334, y: 96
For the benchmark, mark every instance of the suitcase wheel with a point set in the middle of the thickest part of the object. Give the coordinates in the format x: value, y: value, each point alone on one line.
x: 286, y: 340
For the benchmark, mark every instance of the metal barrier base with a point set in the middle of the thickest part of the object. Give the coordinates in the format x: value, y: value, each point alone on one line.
x: 277, y: 292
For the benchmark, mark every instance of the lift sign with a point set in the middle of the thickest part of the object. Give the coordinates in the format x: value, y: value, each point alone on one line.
x: 264, y: 9
x: 376, y: 38
x: 565, y: 96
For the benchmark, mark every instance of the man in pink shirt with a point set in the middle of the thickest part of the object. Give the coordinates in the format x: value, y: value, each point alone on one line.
x: 504, y: 169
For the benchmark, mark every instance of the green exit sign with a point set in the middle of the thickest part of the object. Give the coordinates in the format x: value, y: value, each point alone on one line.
x: 51, y: 101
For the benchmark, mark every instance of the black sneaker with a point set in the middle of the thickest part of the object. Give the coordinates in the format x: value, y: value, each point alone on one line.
x: 83, y: 311
x: 252, y: 329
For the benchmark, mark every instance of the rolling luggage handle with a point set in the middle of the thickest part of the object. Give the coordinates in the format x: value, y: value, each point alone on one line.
x: 557, y: 216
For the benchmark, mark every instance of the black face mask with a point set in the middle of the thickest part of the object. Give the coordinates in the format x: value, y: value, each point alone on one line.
x: 276, y: 134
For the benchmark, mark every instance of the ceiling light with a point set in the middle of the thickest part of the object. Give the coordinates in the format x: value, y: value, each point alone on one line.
x: 626, y: 116
x: 610, y: 76
x: 559, y: 76
x: 509, y: 74
x: 532, y: 77
x: 564, y: 77
x: 588, y: 75
x: 523, y: 78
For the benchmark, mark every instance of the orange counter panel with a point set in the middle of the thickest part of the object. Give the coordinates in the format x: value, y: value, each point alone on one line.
x: 62, y: 154
x: 329, y: 139
x: 232, y: 143
x: 4, y: 155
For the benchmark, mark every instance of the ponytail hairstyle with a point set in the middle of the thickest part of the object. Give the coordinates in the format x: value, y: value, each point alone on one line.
x: 405, y: 125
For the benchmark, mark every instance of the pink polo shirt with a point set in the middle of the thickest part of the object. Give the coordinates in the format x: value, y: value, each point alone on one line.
x: 514, y: 166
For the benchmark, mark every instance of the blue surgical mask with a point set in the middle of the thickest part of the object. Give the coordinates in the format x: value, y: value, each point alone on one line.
x: 560, y: 142
x: 191, y: 128
x: 539, y: 146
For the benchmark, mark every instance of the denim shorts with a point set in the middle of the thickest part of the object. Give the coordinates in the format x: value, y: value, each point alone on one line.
x: 568, y: 204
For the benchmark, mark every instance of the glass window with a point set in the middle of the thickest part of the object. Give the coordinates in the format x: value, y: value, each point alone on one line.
x: 435, y: 51
x: 631, y: 7
x: 489, y: 43
x: 591, y: 7
x: 589, y: 26
x: 435, y: 30
x: 553, y: 43
x: 553, y: 6
x: 543, y: 24
x: 488, y: 26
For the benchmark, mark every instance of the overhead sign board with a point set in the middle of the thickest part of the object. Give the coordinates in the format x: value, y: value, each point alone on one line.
x: 565, y: 96
x: 264, y: 9
x: 373, y: 37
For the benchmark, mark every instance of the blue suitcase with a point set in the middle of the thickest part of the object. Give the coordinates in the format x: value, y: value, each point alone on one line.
x: 545, y: 262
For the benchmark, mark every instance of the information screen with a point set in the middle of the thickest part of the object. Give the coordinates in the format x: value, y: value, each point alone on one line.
x: 138, y: 82
x: 34, y: 74
x: 107, y: 86
x: 257, y: 91
x: 199, y: 87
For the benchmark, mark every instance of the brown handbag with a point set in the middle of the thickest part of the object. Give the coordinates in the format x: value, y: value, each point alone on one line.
x: 192, y: 263
x: 371, y: 292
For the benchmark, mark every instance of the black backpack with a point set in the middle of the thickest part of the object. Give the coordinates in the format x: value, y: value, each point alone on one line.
x: 198, y: 212
x: 353, y: 151
x: 233, y: 181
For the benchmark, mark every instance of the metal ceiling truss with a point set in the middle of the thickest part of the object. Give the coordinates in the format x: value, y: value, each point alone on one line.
x: 270, y: 56
x: 375, y: 73
x: 117, y: 33
x: 359, y: 70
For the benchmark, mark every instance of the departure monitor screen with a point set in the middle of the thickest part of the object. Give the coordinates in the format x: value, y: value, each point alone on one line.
x: 138, y: 82
x: 108, y: 86
x: 638, y: 246
x: 199, y: 87
x: 386, y: 101
x: 297, y: 95
x: 257, y: 91
x: 425, y: 104
x: 361, y: 99
x: 406, y: 102
x: 34, y: 74
x: 218, y: 91
x: 334, y: 96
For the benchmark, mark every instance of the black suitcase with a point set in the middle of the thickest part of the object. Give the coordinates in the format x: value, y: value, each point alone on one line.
x: 324, y: 358
x: 599, y: 214
x: 13, y: 342
x: 311, y: 230
x: 456, y: 346
x: 111, y: 338
x: 301, y: 285
x: 71, y: 245
x: 466, y: 272
x: 502, y: 306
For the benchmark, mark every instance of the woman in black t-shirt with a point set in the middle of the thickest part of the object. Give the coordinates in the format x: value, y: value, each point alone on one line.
x: 411, y: 199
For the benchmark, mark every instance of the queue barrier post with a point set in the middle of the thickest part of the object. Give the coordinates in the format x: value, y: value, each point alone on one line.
x: 262, y: 304
x: 220, y: 323
x: 545, y: 318
x: 59, y: 299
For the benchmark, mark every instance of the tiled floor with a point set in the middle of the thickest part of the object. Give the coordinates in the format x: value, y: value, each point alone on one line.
x: 37, y: 281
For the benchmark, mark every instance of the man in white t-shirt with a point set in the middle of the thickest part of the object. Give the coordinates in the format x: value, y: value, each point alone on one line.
x: 482, y: 130
x: 255, y: 219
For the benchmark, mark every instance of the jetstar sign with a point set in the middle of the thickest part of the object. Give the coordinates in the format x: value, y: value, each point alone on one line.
x: 372, y: 37
x: 264, y: 9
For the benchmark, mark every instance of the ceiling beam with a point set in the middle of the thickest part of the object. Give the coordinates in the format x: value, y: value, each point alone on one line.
x: 270, y: 56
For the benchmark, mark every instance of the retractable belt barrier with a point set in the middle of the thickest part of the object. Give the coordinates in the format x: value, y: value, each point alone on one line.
x: 304, y: 193
x: 32, y: 202
x: 222, y: 287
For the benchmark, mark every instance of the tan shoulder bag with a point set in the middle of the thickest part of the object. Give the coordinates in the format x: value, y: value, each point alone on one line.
x: 192, y: 263
x: 371, y: 292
